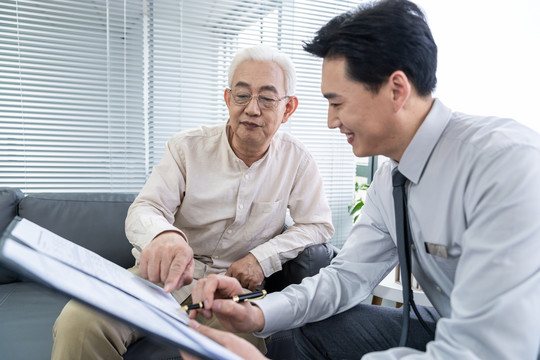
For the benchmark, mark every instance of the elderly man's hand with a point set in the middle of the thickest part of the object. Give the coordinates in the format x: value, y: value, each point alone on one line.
x: 248, y: 271
x: 168, y: 259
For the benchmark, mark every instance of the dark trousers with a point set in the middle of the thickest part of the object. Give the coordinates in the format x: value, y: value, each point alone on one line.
x: 361, y: 330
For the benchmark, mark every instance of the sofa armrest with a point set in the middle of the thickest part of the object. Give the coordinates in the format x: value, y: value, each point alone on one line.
x: 307, y: 263
x: 9, y: 199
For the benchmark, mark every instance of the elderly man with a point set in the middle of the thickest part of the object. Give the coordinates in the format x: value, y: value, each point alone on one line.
x: 468, y: 185
x: 217, y: 203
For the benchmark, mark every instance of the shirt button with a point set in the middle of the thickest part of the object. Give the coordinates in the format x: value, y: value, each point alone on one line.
x: 229, y: 231
x: 241, y: 206
x: 439, y: 289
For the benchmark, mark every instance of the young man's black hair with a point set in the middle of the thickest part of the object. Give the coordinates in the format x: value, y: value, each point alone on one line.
x: 378, y: 39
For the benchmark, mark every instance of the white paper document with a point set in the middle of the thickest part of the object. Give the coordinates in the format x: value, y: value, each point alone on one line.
x: 47, y: 242
x: 58, y: 263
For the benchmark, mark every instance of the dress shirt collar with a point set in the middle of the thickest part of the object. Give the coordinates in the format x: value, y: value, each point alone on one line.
x: 417, y: 153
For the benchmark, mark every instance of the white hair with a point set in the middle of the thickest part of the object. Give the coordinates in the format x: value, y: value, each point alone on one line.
x: 265, y: 53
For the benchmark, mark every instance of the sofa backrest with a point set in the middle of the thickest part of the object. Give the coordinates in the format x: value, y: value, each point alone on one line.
x: 92, y: 220
x: 9, y: 200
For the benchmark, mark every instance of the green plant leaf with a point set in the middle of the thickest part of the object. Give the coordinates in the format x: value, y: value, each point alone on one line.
x: 357, y: 204
x: 357, y: 207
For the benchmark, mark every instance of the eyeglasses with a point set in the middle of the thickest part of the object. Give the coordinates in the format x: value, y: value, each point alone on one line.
x: 265, y: 102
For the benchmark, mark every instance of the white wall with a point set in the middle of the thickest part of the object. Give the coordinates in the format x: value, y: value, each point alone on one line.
x: 489, y: 56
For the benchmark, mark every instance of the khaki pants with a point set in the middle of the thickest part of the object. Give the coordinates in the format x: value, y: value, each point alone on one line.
x: 81, y: 332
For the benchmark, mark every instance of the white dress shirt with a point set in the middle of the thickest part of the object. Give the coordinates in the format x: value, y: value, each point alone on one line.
x: 474, y: 211
x: 226, y: 209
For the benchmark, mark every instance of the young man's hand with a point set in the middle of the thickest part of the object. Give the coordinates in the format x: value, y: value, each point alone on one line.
x: 230, y: 341
x: 235, y: 317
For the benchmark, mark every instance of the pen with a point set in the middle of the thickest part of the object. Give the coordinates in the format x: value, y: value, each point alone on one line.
x: 237, y: 298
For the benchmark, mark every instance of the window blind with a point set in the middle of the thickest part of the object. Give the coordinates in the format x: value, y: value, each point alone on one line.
x: 91, y: 91
x: 71, y: 90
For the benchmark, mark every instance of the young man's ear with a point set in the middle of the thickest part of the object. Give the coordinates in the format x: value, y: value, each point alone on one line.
x: 290, y: 108
x: 400, y: 87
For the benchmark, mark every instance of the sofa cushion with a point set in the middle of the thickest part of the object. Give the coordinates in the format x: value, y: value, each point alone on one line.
x: 92, y: 220
x: 9, y: 198
x: 28, y: 312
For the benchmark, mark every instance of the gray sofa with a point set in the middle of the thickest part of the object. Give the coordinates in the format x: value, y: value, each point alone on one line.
x: 96, y: 221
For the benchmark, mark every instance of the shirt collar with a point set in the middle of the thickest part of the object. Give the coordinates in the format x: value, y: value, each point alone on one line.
x: 417, y: 153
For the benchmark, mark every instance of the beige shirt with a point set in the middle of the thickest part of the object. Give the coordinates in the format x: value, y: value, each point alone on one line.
x: 225, y: 209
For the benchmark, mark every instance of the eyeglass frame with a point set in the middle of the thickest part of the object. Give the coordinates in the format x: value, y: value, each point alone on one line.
x: 274, y: 103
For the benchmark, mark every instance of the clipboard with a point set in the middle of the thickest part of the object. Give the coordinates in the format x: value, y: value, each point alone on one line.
x: 54, y: 262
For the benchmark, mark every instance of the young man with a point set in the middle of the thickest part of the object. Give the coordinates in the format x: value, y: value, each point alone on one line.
x: 473, y: 201
x: 217, y: 203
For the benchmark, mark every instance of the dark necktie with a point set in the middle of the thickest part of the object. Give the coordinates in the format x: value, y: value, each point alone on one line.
x: 404, y: 248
